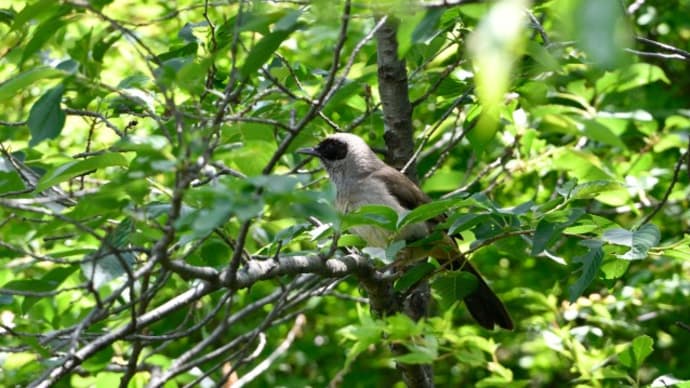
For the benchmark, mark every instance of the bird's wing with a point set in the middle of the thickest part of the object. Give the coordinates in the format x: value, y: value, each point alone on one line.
x: 408, y: 194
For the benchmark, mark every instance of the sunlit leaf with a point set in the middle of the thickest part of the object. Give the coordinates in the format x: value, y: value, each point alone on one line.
x: 263, y: 50
x: 71, y: 169
x: 16, y: 84
x: 630, y: 77
x: 639, y: 241
x: 43, y: 33
x: 494, y: 45
x: 601, y: 31
x: 637, y: 352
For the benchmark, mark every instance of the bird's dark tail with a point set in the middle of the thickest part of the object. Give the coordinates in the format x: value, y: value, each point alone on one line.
x: 484, y: 304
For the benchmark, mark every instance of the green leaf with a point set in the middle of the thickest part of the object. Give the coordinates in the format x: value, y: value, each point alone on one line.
x: 552, y: 225
x: 46, y: 117
x: 102, y: 46
x: 263, y: 50
x: 594, y: 188
x: 7, y: 16
x: 599, y: 132
x: 34, y: 11
x: 106, y: 264
x: 419, y: 355
x: 591, y: 261
x: 461, y: 222
x: 44, y: 31
x: 9, y: 177
x: 428, y: 26
x: 454, y: 286
x: 119, y: 237
x: 614, y: 269
x: 99, y: 360
x: 405, y: 30
x: 377, y: 215
x: 494, y: 46
x: 401, y: 327
x: 35, y: 285
x: 78, y: 167
x: 637, y: 352
x: 430, y: 210
x: 598, y: 25
x: 544, y: 236
x: 639, y: 241
x: 413, y: 275
x: 53, y: 279
x: 14, y: 86
x: 630, y: 77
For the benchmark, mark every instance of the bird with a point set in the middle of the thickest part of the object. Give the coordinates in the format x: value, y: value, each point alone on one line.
x: 361, y: 178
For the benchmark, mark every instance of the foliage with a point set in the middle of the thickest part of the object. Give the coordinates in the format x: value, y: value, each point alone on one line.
x: 156, y: 223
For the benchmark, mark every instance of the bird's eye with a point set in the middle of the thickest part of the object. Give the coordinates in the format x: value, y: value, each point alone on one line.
x: 332, y: 149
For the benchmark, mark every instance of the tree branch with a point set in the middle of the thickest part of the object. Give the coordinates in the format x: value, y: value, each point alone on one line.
x: 393, y: 89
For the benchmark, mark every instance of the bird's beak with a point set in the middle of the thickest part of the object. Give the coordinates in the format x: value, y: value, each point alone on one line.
x: 308, y: 151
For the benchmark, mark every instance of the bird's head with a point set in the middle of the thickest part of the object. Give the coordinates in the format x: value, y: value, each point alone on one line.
x: 344, y: 156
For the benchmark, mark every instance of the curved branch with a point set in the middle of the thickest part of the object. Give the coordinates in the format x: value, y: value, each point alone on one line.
x: 254, y: 271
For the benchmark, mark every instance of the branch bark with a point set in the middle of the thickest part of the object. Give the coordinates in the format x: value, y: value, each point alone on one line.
x: 252, y: 272
x: 397, y: 113
x: 397, y: 109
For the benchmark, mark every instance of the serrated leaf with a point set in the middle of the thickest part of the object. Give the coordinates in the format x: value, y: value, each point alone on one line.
x: 78, y: 167
x: 46, y: 117
x: 591, y: 262
x: 418, y: 356
x: 13, y: 86
x: 637, y: 352
x: 639, y: 241
x: 401, y: 327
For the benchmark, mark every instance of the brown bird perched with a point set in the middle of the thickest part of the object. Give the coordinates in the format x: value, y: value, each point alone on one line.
x: 361, y: 178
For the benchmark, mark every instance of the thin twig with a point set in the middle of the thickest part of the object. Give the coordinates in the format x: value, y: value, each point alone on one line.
x: 674, y: 179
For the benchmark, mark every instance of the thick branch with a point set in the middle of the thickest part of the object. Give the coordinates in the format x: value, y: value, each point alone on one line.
x: 397, y: 113
x: 397, y: 110
x: 252, y: 272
